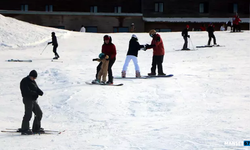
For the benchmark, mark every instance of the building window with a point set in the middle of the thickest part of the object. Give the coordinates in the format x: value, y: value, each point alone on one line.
x: 24, y: 8
x: 158, y: 7
x: 49, y: 8
x: 93, y: 9
x: 203, y: 8
x: 92, y: 29
x: 120, y: 29
x: 235, y: 8
x: 118, y: 9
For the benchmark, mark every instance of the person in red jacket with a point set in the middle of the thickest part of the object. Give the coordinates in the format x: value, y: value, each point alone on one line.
x: 158, y: 53
x: 109, y: 49
x: 236, y: 24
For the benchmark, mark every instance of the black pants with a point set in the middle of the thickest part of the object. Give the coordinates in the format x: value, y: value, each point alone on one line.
x: 157, y: 60
x: 210, y: 37
x: 110, y: 73
x: 185, y: 43
x: 54, y: 50
x: 31, y: 106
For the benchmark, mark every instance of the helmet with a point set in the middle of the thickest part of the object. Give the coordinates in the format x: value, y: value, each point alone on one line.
x: 101, y: 55
x: 152, y: 32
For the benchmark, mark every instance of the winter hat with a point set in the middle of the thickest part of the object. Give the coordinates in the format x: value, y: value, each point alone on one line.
x: 53, y: 33
x: 152, y: 32
x: 101, y: 55
x: 187, y: 26
x: 106, y: 37
x: 134, y: 36
x: 33, y: 73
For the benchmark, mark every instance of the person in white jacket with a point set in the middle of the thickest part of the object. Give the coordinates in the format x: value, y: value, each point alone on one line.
x: 132, y: 54
x: 82, y: 29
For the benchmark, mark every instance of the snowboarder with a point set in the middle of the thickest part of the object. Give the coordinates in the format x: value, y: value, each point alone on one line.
x: 30, y: 92
x: 132, y: 53
x: 158, y: 53
x: 210, y: 30
x: 55, y: 44
x: 102, y: 74
x: 109, y: 49
x: 185, y: 36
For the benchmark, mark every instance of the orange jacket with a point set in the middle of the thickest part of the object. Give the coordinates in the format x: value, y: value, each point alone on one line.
x: 158, y: 49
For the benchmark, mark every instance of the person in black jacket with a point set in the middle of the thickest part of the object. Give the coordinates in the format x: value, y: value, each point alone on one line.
x: 210, y: 30
x: 185, y: 36
x: 133, y: 49
x: 55, y: 44
x: 30, y: 92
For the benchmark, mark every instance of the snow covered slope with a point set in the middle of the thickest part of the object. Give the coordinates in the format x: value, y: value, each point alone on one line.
x: 203, y: 107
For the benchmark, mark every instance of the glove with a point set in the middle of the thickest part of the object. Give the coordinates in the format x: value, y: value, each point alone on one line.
x: 41, y: 94
x: 146, y: 47
x: 188, y: 36
x: 48, y: 43
x: 94, y: 59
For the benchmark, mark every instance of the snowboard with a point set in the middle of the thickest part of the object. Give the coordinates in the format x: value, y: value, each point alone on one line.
x: 90, y: 83
x: 160, y: 76
x: 142, y: 77
x: 18, y: 60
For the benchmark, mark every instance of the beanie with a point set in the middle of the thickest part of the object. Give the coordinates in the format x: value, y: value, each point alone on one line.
x: 187, y: 26
x: 33, y: 73
x: 134, y: 36
x: 101, y: 55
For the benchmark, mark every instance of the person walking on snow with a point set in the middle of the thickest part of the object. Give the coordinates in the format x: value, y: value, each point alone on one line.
x: 158, y: 53
x: 30, y: 92
x: 109, y: 49
x: 102, y: 74
x: 55, y: 44
x: 210, y: 30
x: 132, y: 53
x: 185, y: 36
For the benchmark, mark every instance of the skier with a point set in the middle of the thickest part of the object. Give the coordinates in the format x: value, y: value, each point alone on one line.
x: 236, y: 24
x: 30, y: 92
x: 210, y: 30
x: 158, y: 53
x: 104, y: 69
x: 185, y: 36
x: 55, y: 44
x: 132, y: 53
x: 109, y: 49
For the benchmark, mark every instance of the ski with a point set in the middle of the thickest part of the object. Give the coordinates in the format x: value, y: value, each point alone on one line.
x: 186, y: 50
x: 89, y: 83
x: 207, y: 46
x: 8, y: 130
x: 56, y: 60
x: 160, y: 76
x: 18, y: 60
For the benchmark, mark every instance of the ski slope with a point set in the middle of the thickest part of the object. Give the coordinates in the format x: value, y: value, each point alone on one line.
x: 204, y: 106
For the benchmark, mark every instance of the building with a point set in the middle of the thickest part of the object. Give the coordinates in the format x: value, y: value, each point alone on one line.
x: 126, y: 15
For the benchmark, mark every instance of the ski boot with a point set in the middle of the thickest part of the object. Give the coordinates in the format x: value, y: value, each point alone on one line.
x: 123, y: 74
x: 137, y: 74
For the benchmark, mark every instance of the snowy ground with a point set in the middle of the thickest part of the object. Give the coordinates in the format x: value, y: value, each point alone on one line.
x: 203, y: 107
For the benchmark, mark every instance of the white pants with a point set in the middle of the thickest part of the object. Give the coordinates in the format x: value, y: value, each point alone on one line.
x: 128, y: 58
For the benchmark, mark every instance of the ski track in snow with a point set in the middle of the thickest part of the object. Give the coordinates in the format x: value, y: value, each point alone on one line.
x: 202, y: 106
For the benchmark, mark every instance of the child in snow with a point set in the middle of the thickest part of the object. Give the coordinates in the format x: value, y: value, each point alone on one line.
x: 104, y: 68
x: 133, y: 49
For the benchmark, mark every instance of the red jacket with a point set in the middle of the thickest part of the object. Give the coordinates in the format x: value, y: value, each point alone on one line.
x: 110, y: 50
x: 158, y: 49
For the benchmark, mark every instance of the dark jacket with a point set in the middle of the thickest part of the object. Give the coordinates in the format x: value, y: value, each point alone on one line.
x: 54, y: 41
x: 210, y: 30
x: 134, y: 47
x: 184, y: 33
x: 29, y: 89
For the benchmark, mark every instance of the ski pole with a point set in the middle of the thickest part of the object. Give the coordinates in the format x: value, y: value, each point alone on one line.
x: 44, y: 49
x: 191, y: 43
